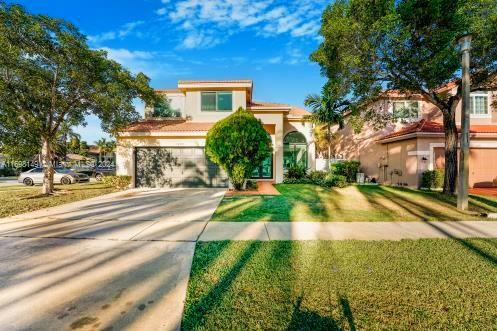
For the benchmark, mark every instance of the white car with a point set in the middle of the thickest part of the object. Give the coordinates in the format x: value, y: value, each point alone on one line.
x: 63, y: 176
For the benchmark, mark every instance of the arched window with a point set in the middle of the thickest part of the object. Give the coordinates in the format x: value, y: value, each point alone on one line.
x: 294, y: 150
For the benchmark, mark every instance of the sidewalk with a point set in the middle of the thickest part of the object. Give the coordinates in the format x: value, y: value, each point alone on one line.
x: 347, y: 230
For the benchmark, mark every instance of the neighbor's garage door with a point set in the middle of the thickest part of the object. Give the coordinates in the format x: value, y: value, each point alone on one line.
x: 176, y: 167
x: 482, y: 167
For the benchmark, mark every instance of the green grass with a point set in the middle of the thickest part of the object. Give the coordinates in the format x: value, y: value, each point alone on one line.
x: 348, y: 285
x: 302, y: 202
x: 18, y: 199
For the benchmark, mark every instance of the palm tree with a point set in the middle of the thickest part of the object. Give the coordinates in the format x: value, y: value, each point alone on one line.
x: 102, y: 147
x: 327, y: 110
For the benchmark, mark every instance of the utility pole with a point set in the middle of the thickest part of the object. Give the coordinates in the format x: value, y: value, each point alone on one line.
x: 463, y: 178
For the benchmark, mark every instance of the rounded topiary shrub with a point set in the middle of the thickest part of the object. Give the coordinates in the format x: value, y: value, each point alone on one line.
x: 238, y: 144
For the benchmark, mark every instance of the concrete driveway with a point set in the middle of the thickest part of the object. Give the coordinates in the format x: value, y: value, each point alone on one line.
x: 115, y: 262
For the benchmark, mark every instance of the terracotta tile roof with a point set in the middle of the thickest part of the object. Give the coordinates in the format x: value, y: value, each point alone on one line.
x: 295, y: 111
x: 447, y: 86
x: 392, y: 93
x: 215, y: 81
x: 179, y: 125
x: 425, y: 126
x: 94, y: 149
x: 267, y: 104
x: 168, y: 90
x: 167, y: 125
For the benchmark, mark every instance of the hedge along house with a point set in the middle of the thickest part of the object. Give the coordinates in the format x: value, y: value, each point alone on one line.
x: 399, y: 152
x: 169, y: 152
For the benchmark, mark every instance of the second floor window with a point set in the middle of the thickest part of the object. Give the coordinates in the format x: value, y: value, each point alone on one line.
x: 479, y: 104
x: 405, y: 109
x: 216, y: 101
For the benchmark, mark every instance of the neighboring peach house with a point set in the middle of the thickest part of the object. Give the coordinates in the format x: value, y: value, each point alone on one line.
x: 400, y: 152
x: 160, y: 152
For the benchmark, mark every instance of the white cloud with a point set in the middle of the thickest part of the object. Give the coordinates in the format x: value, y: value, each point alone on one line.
x: 199, y: 39
x: 206, y: 23
x: 309, y: 28
x: 161, y: 11
x: 152, y: 64
x: 275, y: 60
x: 124, y: 31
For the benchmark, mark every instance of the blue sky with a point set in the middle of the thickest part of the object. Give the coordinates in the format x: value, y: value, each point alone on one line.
x: 268, y: 41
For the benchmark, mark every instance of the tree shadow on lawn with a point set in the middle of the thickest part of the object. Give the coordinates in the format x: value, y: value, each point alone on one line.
x: 314, y: 202
x: 268, y: 282
x: 420, y: 211
x: 476, y: 203
x: 412, y: 207
x: 487, y: 204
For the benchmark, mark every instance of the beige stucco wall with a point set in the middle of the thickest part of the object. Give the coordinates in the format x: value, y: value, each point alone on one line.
x: 306, y: 128
x: 277, y: 139
x: 193, y: 106
x: 125, y: 148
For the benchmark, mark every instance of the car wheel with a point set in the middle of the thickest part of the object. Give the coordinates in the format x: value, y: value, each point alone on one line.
x: 65, y: 181
x: 99, y: 177
x: 28, y: 182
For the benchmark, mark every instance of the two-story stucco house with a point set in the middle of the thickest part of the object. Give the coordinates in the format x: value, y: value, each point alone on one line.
x: 400, y: 152
x: 170, y: 152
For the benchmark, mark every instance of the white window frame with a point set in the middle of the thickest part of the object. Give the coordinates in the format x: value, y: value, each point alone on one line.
x: 405, y: 101
x: 472, y: 98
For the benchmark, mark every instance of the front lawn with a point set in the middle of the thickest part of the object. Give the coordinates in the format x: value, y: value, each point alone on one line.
x: 411, y: 284
x: 22, y: 199
x: 303, y: 202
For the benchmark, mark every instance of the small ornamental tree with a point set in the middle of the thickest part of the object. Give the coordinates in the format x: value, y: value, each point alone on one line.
x: 238, y: 144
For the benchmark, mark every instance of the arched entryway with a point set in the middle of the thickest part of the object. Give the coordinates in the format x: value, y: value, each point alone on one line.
x: 294, y: 150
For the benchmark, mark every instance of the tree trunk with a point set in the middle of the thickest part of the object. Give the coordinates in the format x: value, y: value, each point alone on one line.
x: 48, y: 171
x: 450, y: 131
x: 329, y: 143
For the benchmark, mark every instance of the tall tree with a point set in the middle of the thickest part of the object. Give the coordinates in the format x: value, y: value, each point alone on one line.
x: 162, y: 108
x: 409, y: 45
x: 102, y: 147
x: 327, y: 110
x: 49, y: 76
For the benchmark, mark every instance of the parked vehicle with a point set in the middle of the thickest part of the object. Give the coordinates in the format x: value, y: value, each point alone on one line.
x: 96, y: 172
x: 63, y: 176
x: 100, y: 172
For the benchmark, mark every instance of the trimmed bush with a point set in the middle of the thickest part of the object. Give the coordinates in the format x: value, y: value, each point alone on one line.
x: 348, y: 169
x: 251, y: 185
x: 303, y: 180
x: 296, y: 172
x: 238, y: 144
x: 320, y: 178
x: 333, y: 180
x: 432, y: 179
x: 119, y: 182
x: 317, y: 176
